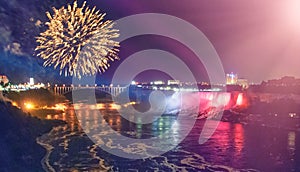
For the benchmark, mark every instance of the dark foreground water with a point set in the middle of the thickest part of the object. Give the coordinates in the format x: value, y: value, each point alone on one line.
x: 233, y: 147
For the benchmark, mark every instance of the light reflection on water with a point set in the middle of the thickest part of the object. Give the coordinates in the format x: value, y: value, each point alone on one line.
x: 232, y: 146
x: 238, y: 140
x: 292, y: 145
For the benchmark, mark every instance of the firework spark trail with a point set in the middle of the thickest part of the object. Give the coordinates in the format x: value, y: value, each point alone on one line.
x: 78, y: 41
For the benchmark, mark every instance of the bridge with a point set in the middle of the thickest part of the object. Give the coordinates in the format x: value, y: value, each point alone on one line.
x: 208, y: 98
x: 114, y: 91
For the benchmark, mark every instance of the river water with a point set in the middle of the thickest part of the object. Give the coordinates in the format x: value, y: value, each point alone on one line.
x: 233, y: 147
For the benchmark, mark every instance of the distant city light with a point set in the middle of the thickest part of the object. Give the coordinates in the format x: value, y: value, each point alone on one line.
x: 114, y: 106
x: 31, y: 81
x: 49, y: 117
x: 292, y: 115
x: 243, y: 82
x: 173, y: 82
x: 14, y: 104
x: 29, y: 106
x: 60, y: 106
x: 4, y: 79
x: 231, y: 79
x: 159, y: 82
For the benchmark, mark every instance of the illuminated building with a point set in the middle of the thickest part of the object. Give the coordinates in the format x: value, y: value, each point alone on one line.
x: 284, y: 81
x: 31, y: 81
x: 243, y: 82
x: 231, y: 79
x: 4, y: 79
x: 26, y: 86
x: 173, y: 82
x: 204, y: 83
x: 158, y: 82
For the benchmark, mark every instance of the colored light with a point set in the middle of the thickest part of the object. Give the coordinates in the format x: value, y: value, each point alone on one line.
x: 239, y: 100
x: 31, y: 81
x: 14, y: 104
x: 29, y: 105
x: 60, y: 107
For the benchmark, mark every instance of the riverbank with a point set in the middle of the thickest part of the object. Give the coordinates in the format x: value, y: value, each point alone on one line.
x: 36, y: 98
x: 19, y: 150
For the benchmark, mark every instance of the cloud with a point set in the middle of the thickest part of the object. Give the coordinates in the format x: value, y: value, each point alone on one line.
x: 14, y: 48
x: 5, y: 35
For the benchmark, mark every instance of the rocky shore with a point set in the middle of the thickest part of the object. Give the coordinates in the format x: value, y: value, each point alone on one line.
x: 19, y: 150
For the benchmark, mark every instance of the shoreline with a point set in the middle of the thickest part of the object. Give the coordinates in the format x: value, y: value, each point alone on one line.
x: 20, y: 132
x: 45, y: 160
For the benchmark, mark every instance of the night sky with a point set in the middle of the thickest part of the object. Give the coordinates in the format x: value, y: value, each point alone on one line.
x: 256, y: 39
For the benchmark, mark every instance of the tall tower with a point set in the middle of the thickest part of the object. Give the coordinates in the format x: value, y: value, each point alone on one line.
x: 231, y: 79
x: 31, y: 81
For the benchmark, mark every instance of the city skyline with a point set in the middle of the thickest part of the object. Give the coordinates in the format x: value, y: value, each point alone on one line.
x: 139, y: 79
x: 258, y: 46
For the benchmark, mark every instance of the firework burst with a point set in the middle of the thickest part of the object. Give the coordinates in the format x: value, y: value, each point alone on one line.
x: 78, y: 41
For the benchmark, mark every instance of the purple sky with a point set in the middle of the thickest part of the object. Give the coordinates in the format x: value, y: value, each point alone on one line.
x: 257, y: 39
